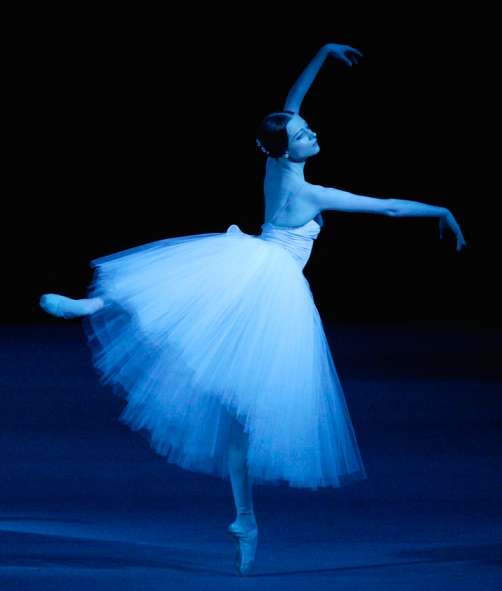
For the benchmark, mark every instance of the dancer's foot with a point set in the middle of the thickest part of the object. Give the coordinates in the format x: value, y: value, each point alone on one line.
x: 245, y: 542
x: 64, y: 307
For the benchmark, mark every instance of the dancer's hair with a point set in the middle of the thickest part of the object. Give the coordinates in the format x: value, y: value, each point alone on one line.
x: 272, y: 136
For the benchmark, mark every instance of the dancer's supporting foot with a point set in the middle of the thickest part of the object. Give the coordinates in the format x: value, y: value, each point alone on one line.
x: 64, y: 307
x: 244, y: 530
x: 245, y: 543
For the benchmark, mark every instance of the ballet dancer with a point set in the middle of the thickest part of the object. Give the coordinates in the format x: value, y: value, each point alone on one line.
x: 215, y: 340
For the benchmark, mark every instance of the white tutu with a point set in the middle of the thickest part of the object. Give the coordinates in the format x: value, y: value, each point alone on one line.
x: 198, y: 329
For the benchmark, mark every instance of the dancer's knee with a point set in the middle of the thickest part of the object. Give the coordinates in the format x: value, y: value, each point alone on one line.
x: 237, y: 438
x: 237, y: 457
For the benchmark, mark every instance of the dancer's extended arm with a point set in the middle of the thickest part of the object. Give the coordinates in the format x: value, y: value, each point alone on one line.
x: 345, y: 53
x: 326, y: 198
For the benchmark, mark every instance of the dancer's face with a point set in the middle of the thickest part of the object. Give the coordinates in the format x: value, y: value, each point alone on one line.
x: 302, y: 141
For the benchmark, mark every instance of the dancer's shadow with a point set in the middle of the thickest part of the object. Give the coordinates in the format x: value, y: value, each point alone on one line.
x: 21, y: 549
x: 483, y: 555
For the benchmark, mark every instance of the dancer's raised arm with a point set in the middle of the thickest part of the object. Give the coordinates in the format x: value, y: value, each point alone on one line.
x: 345, y: 53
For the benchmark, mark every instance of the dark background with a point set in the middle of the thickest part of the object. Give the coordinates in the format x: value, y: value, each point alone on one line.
x: 128, y: 123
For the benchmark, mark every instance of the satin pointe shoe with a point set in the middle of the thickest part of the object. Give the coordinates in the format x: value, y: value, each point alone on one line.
x: 246, y: 547
x: 63, y: 307
x: 56, y: 305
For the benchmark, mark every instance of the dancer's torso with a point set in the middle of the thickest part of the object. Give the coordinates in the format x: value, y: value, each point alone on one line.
x: 286, y: 202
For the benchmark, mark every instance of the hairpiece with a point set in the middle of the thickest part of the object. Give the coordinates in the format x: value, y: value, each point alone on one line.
x: 262, y: 148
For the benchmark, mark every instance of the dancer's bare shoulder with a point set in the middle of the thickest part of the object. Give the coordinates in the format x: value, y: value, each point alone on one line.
x: 304, y: 205
x: 300, y: 210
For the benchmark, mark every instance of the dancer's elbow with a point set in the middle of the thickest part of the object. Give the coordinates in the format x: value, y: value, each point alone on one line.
x: 391, y: 207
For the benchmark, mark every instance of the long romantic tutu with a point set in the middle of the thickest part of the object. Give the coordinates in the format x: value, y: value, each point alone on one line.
x: 200, y: 329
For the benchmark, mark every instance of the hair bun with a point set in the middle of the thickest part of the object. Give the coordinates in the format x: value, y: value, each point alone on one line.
x: 272, y: 136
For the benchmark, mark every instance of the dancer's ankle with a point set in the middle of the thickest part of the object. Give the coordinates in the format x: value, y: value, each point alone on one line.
x: 246, y: 517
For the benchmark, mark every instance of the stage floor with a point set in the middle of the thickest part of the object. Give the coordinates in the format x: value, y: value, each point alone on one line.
x: 86, y: 504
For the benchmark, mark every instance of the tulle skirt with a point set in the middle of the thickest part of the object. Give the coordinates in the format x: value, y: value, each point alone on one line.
x: 204, y: 330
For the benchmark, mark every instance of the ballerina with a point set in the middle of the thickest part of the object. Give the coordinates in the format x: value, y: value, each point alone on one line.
x: 215, y: 340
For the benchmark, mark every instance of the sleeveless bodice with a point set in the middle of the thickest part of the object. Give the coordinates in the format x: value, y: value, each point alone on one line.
x: 298, y: 241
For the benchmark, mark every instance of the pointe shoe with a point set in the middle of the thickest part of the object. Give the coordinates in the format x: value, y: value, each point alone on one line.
x: 63, y: 307
x: 245, y: 543
x: 56, y: 305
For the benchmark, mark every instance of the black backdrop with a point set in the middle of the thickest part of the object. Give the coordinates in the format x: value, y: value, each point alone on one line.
x: 128, y: 123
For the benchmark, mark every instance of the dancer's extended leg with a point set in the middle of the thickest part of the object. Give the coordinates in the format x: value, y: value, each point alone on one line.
x: 64, y: 307
x: 244, y: 530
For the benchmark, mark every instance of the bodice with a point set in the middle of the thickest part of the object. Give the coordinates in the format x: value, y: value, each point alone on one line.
x: 298, y: 241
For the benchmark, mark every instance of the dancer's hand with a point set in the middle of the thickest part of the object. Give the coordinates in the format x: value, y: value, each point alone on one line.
x: 448, y: 221
x: 345, y: 53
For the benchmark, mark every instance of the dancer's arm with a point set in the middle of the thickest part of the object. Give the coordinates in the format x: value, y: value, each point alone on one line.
x: 326, y: 198
x: 345, y: 53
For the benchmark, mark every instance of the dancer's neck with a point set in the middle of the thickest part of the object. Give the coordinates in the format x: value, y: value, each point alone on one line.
x: 294, y: 167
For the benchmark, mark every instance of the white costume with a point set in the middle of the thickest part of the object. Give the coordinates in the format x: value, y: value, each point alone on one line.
x: 200, y: 328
